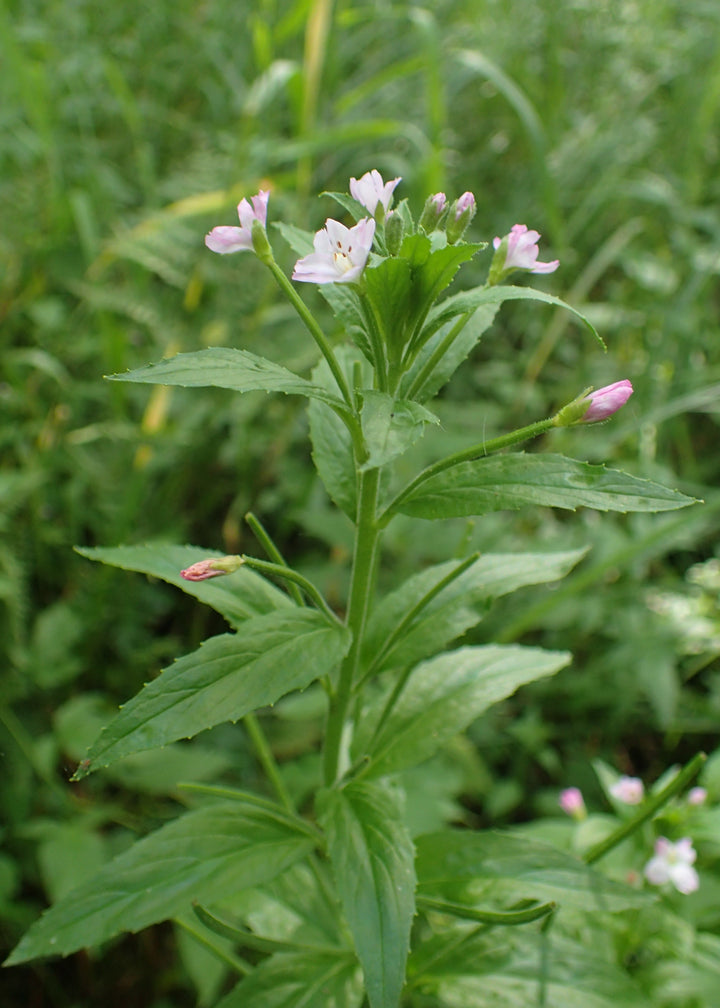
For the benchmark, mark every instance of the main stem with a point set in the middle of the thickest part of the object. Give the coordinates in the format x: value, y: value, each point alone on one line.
x: 367, y: 539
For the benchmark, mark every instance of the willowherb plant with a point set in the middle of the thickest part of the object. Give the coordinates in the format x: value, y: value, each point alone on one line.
x: 345, y: 907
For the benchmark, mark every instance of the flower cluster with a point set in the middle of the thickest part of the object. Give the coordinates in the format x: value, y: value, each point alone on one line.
x: 672, y: 861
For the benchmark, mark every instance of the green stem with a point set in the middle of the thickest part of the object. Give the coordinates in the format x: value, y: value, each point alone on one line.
x: 496, y: 918
x: 412, y: 614
x: 475, y: 451
x: 367, y: 538
x: 376, y: 342
x: 313, y: 328
x: 267, y: 760
x: 263, y: 537
x: 647, y: 811
x: 437, y: 355
x: 288, y: 574
x: 227, y: 958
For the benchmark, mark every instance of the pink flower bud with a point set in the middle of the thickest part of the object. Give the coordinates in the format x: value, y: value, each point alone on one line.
x: 203, y: 570
x: 606, y: 401
x: 571, y: 801
x: 697, y: 796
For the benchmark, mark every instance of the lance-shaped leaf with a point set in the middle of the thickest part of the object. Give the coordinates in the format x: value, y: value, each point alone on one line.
x: 390, y: 426
x: 510, y: 971
x: 500, y: 482
x: 203, y: 855
x: 308, y: 979
x: 227, y: 677
x: 237, y: 598
x: 444, y: 695
x: 389, y: 290
x: 474, y: 867
x: 372, y: 858
x: 393, y: 640
x: 460, y: 304
x: 224, y: 367
x: 443, y: 353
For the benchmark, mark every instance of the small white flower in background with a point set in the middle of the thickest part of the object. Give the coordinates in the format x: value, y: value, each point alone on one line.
x: 673, y: 862
x: 697, y: 796
x: 369, y: 190
x: 629, y: 790
x: 572, y: 802
x: 225, y: 239
x: 340, y: 253
x: 520, y: 252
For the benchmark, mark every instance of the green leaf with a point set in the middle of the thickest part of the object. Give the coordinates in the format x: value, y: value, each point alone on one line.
x: 426, y: 385
x: 203, y: 855
x: 300, y: 241
x: 227, y: 677
x: 390, y: 426
x: 224, y: 367
x: 332, y: 448
x: 440, y: 268
x: 473, y: 867
x: 310, y: 979
x: 466, y: 301
x: 348, y: 310
x: 512, y: 481
x: 389, y: 290
x: 372, y: 858
x: 445, y: 694
x: 237, y: 597
x: 456, y: 607
x: 507, y: 973
x: 349, y: 203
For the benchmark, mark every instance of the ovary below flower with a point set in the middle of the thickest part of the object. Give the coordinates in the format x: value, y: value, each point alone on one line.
x: 225, y: 238
x: 369, y: 190
x: 340, y: 253
x: 673, y: 862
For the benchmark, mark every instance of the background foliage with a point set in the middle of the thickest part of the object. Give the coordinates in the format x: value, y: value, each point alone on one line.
x: 127, y: 131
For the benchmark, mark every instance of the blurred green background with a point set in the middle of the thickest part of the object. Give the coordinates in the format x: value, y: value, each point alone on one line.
x: 127, y: 131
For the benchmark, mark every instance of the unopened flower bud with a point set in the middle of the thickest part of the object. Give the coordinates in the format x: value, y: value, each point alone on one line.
x: 460, y: 215
x: 607, y: 400
x: 592, y: 407
x: 394, y: 232
x: 697, y: 796
x: 203, y: 570
x: 435, y: 207
x: 572, y: 802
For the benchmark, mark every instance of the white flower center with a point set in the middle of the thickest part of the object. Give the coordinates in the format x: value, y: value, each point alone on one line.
x: 342, y: 258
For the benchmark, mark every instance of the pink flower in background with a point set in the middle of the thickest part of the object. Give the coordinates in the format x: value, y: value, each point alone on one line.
x: 224, y: 239
x: 369, y: 190
x: 522, y: 251
x: 340, y: 253
x: 572, y: 802
x: 629, y: 790
x: 673, y: 863
x: 697, y: 796
x: 608, y: 400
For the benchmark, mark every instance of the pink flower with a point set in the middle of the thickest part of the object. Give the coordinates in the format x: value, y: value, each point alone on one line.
x: 203, y: 570
x: 697, y: 796
x: 673, y: 863
x: 606, y: 401
x: 629, y: 790
x: 464, y: 203
x: 571, y: 801
x: 369, y: 190
x: 520, y: 252
x: 459, y: 216
x: 340, y: 253
x: 226, y: 239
